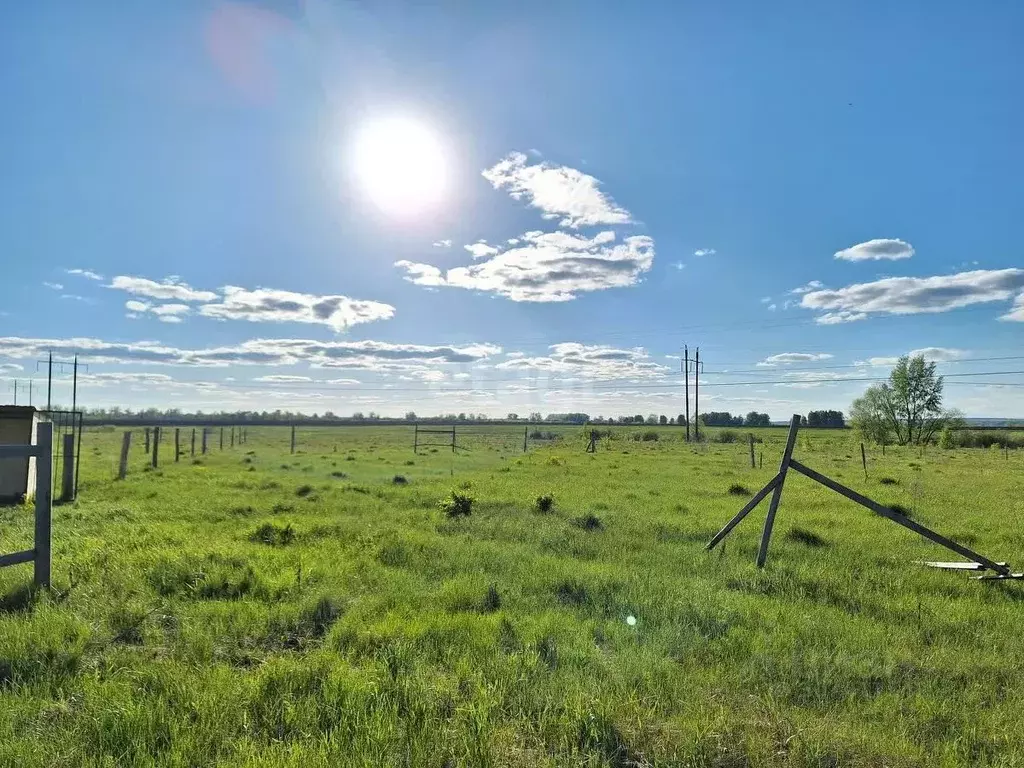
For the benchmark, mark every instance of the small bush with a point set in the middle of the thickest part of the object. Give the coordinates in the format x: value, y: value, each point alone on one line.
x: 544, y: 503
x: 888, y: 481
x: 589, y: 522
x: 946, y: 441
x: 738, y: 490
x: 339, y: 475
x: 650, y: 436
x: 539, y: 434
x: 410, y: 463
x: 726, y: 436
x: 456, y: 504
x: 399, y: 480
x: 571, y: 592
x: 304, y: 490
x: 274, y: 535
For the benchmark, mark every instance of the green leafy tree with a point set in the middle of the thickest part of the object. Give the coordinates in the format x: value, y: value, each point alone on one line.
x: 906, y: 409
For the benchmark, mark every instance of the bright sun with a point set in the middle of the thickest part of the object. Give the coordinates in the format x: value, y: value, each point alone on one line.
x: 401, y: 165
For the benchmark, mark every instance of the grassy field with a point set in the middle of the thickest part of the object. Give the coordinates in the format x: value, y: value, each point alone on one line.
x: 251, y: 607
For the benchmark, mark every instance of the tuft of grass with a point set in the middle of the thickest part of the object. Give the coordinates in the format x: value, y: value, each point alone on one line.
x: 589, y: 522
x: 544, y: 503
x: 273, y: 534
x: 736, y: 489
x: 399, y: 480
x: 304, y: 490
x: 491, y: 601
x: 339, y: 475
x: 888, y: 481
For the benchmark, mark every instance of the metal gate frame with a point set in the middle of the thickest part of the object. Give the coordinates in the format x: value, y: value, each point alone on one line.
x: 64, y: 423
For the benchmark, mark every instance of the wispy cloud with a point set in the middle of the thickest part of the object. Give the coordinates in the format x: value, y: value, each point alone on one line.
x: 327, y: 354
x: 877, y: 250
x: 913, y: 295
x: 794, y: 357
x: 447, y: 243
x: 54, y: 286
x: 559, y: 192
x: 86, y: 273
x: 590, y: 361
x: 545, y: 267
x: 166, y: 313
x: 705, y: 252
x: 268, y: 305
x: 936, y: 354
x: 168, y: 289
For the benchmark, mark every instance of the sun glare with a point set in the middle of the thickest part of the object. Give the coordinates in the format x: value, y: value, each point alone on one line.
x: 401, y: 166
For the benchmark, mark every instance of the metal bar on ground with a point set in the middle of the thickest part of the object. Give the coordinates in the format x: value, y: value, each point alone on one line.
x: 773, y: 507
x: 44, y: 481
x: 896, y: 517
x: 758, y: 498
x: 16, y: 558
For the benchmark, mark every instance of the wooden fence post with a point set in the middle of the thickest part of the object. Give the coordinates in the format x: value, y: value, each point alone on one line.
x: 156, y: 447
x: 232, y: 437
x: 222, y: 438
x: 752, y: 451
x: 67, y: 481
x: 193, y: 441
x: 293, y: 438
x: 526, y: 435
x: 773, y: 506
x: 147, y: 439
x: 415, y: 438
x: 864, y: 461
x: 205, y: 431
x: 44, y: 482
x: 122, y: 467
x: 177, y: 444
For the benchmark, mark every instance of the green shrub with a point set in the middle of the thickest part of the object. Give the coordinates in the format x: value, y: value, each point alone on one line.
x: 545, y: 503
x: 456, y: 504
x: 946, y: 439
x: 273, y: 534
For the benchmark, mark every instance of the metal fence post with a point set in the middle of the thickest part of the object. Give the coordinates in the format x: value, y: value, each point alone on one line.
x: 147, y: 439
x: 156, y: 446
x: 222, y: 438
x: 205, y: 431
x: 177, y: 444
x: 293, y: 438
x: 44, y: 480
x: 67, y: 482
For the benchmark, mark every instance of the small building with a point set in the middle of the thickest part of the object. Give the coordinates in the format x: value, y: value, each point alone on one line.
x: 18, y: 475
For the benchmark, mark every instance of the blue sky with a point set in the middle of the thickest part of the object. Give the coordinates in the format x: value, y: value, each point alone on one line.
x: 268, y: 204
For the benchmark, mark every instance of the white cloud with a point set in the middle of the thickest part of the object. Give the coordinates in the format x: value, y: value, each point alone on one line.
x: 914, y: 295
x: 282, y: 379
x: 937, y: 354
x: 811, y: 286
x: 875, y: 250
x: 167, y: 290
x: 54, y: 286
x: 11, y: 367
x: 447, y: 243
x: 794, y: 357
x: 267, y: 305
x: 165, y: 313
x: 772, y: 307
x: 370, y: 355
x: 136, y: 306
x: 559, y: 192
x: 766, y: 299
x: 1016, y: 313
x: 705, y: 252
x: 87, y: 273
x: 552, y: 266
x: 590, y: 361
x: 480, y: 249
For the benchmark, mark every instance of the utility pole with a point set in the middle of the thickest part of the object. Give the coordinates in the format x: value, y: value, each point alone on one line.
x: 696, y: 395
x: 49, y: 380
x: 686, y: 384
x: 30, y: 391
x: 15, y: 391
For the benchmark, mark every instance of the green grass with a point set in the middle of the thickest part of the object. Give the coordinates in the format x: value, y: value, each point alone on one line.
x: 259, y: 608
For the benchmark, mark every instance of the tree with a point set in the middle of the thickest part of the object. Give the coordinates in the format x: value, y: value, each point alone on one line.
x: 755, y: 419
x: 536, y: 416
x: 681, y: 420
x: 907, y: 408
x: 358, y: 416
x: 513, y: 417
x: 830, y: 419
x: 663, y: 419
x: 410, y: 416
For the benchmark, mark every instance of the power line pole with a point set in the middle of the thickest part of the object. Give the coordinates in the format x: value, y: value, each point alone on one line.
x: 696, y: 395
x: 49, y: 380
x: 15, y: 391
x: 686, y: 384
